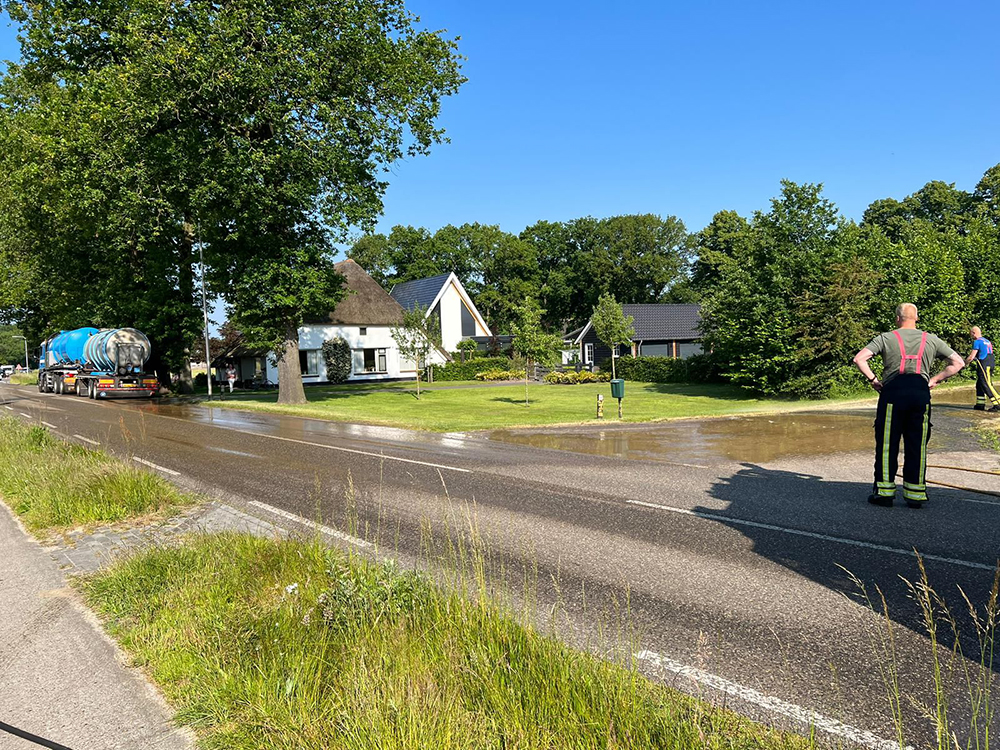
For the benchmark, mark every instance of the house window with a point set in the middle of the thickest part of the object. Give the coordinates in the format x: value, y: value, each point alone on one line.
x: 588, y: 354
x: 370, y: 360
x: 468, y: 322
x: 309, y: 361
x: 363, y: 331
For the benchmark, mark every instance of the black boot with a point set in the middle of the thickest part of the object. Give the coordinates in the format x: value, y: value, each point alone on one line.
x: 882, y: 500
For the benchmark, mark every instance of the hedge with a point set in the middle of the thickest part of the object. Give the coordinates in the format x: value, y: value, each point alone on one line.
x: 468, y: 370
x: 696, y: 369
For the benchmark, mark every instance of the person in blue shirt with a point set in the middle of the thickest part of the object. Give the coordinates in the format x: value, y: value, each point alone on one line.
x: 982, y: 355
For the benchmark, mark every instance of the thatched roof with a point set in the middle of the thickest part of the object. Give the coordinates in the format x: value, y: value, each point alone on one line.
x: 366, y: 303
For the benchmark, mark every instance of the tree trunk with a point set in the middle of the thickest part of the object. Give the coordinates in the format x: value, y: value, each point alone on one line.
x: 185, y: 288
x: 290, y: 389
x: 185, y: 382
x: 418, y: 383
x: 525, y: 382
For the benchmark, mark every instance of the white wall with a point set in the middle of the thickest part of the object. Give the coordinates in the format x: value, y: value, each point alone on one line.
x: 376, y: 337
x: 451, y: 319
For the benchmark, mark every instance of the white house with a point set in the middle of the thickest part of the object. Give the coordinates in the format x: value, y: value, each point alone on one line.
x: 364, y: 319
x: 444, y: 297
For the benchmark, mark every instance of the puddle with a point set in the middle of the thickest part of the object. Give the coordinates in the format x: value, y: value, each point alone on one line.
x: 754, y: 439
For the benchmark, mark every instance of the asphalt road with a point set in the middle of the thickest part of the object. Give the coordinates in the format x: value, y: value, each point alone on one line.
x: 721, y: 572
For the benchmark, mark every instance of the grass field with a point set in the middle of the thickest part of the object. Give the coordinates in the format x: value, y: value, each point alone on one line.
x: 288, y: 645
x: 451, y: 407
x: 51, y: 484
x: 24, y: 378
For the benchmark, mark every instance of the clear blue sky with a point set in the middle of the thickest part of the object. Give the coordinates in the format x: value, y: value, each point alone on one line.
x: 582, y: 107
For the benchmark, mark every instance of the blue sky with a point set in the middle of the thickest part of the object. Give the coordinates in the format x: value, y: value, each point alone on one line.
x: 598, y: 108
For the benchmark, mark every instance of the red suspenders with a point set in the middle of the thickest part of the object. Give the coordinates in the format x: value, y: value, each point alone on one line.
x: 919, y: 356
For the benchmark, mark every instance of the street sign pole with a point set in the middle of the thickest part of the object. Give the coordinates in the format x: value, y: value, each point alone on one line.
x: 204, y: 311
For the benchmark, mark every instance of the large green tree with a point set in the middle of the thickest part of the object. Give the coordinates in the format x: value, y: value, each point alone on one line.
x: 252, y: 125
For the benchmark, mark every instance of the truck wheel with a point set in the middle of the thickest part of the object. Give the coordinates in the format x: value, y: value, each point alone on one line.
x: 58, y: 387
x: 41, y: 384
x: 92, y: 390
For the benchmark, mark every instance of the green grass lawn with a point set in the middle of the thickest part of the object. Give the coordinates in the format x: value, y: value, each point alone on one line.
x: 263, y: 643
x: 456, y: 409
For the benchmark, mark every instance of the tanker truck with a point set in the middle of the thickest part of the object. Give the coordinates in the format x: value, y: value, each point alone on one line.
x: 97, y: 363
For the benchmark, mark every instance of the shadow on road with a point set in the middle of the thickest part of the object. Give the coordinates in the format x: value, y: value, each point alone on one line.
x: 955, y: 525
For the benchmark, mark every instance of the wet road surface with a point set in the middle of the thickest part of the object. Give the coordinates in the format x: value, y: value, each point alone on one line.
x: 725, y: 539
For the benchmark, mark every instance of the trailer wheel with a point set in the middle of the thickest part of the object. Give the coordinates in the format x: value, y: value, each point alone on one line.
x: 92, y: 389
x: 59, y: 386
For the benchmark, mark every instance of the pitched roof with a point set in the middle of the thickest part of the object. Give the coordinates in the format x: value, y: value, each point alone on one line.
x: 366, y: 302
x: 421, y: 292
x: 655, y: 321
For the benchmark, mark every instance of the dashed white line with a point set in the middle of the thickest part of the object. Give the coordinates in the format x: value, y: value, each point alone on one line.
x: 24, y: 415
x: 8, y: 408
x: 352, y: 450
x: 313, y: 525
x: 812, y: 535
x: 48, y: 424
x: 151, y: 465
x: 774, y: 705
x: 85, y: 439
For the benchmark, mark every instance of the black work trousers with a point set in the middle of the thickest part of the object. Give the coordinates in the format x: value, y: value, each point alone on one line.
x: 985, y: 390
x: 904, y: 411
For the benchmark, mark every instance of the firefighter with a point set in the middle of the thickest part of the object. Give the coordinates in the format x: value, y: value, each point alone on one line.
x: 904, y: 403
x: 982, y: 355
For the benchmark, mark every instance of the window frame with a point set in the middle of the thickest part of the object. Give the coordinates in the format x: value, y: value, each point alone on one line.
x: 380, y: 357
x: 309, y: 354
x: 588, y: 354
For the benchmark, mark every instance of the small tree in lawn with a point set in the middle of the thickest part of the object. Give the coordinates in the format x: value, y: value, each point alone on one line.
x: 530, y: 339
x: 416, y: 337
x: 611, y: 325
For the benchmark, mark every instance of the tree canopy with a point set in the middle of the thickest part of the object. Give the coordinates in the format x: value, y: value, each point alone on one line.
x: 265, y: 128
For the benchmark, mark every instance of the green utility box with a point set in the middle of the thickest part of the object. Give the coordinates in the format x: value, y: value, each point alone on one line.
x: 617, y: 388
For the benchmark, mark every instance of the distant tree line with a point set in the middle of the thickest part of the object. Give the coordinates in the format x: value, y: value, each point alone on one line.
x: 787, y: 295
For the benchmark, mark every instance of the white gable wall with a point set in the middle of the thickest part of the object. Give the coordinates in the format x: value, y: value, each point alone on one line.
x: 311, y: 338
x: 452, y: 301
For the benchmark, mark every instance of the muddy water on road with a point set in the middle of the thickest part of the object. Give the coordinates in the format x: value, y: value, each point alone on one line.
x: 756, y: 439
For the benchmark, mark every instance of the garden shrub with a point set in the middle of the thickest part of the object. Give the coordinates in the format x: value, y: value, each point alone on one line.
x: 575, y: 378
x: 500, y: 375
x: 201, y: 380
x: 337, y: 355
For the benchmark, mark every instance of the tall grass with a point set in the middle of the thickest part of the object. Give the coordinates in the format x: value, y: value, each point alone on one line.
x: 288, y: 644
x: 23, y: 378
x: 52, y: 484
x: 950, y: 664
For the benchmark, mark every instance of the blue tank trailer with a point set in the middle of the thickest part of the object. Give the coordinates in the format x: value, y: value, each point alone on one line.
x: 97, y: 363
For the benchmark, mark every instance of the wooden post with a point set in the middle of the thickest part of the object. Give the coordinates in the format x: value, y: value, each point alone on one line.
x: 600, y: 406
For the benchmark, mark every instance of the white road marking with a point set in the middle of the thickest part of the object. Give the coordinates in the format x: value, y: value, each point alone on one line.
x: 156, y: 466
x: 8, y: 408
x: 24, y: 415
x: 85, y: 439
x: 49, y: 424
x: 813, y: 535
x: 352, y: 450
x: 313, y: 525
x: 774, y: 705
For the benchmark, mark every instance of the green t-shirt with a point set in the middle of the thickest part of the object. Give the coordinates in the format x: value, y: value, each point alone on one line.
x: 887, y: 345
